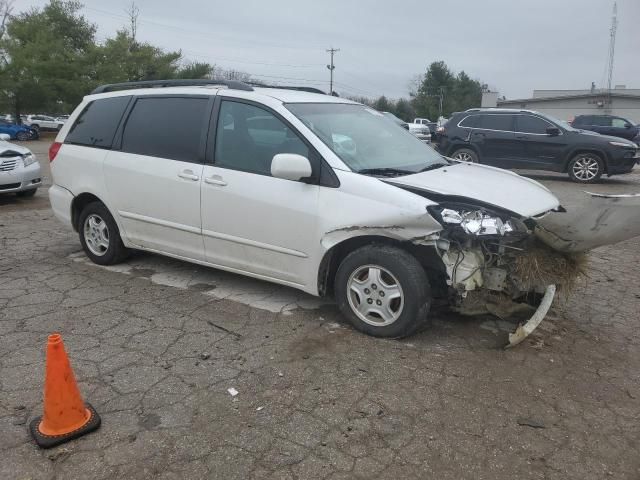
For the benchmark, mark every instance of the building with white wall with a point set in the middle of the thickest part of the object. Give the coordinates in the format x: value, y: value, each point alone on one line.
x: 566, y: 104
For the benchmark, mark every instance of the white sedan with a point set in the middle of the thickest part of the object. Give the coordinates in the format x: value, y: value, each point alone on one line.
x: 19, y: 169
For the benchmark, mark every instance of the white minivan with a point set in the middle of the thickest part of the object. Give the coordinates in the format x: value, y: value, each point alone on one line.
x: 307, y: 190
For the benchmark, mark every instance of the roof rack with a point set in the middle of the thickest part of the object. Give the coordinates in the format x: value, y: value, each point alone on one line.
x: 287, y: 87
x: 232, y: 84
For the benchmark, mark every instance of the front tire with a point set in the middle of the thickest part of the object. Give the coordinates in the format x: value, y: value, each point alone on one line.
x: 99, y: 235
x: 465, y: 155
x: 586, y: 168
x: 383, y: 291
x: 23, y: 136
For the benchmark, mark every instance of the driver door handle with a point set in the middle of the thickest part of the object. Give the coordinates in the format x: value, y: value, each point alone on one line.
x: 215, y: 180
x: 189, y: 175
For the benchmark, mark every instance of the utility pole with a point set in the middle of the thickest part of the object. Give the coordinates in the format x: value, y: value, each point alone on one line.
x: 331, y: 68
x: 612, y: 51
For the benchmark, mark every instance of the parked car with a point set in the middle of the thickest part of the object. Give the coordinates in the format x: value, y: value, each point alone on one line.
x: 19, y: 169
x: 62, y: 118
x: 43, y: 122
x: 397, y: 120
x: 531, y: 140
x: 425, y: 121
x: 422, y: 132
x: 311, y: 191
x: 17, y: 132
x: 606, y: 125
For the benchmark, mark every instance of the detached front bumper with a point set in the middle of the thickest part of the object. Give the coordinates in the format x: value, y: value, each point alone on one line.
x: 525, y: 329
x: 20, y: 178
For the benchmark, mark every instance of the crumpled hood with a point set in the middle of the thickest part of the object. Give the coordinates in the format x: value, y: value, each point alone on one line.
x: 4, y: 146
x: 489, y: 185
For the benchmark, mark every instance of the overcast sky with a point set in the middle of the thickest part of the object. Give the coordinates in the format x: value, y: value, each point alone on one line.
x: 514, y: 46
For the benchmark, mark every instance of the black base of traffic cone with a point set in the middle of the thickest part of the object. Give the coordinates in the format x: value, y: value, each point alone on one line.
x: 48, y: 441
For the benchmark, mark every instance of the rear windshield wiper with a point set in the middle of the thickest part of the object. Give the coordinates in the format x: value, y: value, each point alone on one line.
x: 386, y: 171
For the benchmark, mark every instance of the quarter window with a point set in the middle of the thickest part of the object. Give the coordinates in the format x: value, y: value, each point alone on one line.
x: 248, y: 137
x: 166, y: 127
x: 469, y: 122
x: 496, y: 122
x: 97, y: 124
x: 531, y: 124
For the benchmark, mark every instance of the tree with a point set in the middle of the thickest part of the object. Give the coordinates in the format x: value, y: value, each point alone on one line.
x: 196, y: 70
x: 441, y: 92
x: 44, y: 57
x: 404, y: 110
x: 123, y: 59
x: 382, y: 104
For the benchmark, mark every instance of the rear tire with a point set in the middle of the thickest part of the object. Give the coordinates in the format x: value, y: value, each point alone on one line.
x: 465, y: 155
x: 100, y: 236
x: 585, y: 168
x: 383, y: 291
x: 27, y: 193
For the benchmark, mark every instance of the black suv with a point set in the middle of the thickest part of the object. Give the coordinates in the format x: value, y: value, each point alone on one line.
x: 606, y: 125
x: 532, y: 140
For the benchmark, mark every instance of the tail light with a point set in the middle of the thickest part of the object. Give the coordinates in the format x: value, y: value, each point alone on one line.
x: 440, y: 130
x: 53, y: 150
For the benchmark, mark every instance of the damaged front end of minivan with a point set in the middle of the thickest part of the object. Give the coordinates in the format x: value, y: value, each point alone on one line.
x: 495, y: 264
x: 499, y: 263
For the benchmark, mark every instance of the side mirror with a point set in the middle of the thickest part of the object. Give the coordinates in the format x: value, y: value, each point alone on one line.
x: 553, y: 131
x: 290, y: 166
x: 627, y: 125
x: 5, y: 137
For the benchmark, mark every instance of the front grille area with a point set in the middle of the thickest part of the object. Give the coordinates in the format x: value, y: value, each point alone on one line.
x: 9, y: 186
x: 8, y: 165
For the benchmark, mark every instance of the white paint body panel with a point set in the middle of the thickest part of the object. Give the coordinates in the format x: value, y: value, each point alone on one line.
x: 495, y: 186
x: 158, y: 208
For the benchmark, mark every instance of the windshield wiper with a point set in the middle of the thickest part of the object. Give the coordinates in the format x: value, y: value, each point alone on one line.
x: 433, y: 166
x: 386, y: 171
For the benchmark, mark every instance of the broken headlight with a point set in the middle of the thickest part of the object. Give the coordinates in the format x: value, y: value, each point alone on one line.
x: 474, y: 222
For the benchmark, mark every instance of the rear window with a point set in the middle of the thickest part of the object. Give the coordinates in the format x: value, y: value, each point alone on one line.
x: 98, y: 122
x: 496, y: 122
x: 531, y: 124
x: 166, y: 127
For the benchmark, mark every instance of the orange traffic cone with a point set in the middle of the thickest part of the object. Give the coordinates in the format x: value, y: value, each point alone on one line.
x: 66, y: 416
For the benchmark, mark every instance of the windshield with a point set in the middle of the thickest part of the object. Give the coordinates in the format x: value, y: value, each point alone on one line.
x: 366, y: 140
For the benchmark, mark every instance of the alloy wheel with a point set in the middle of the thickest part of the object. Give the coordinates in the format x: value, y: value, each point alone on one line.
x: 585, y: 168
x: 463, y: 157
x: 96, y: 235
x: 375, y: 295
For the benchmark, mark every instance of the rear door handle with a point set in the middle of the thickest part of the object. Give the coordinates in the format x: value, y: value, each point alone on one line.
x: 215, y: 180
x: 189, y: 175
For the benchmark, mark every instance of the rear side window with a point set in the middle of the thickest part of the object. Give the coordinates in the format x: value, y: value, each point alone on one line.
x: 166, y: 127
x: 97, y: 124
x: 496, y: 122
x: 583, y: 120
x: 531, y: 124
x: 469, y: 122
x: 601, y: 121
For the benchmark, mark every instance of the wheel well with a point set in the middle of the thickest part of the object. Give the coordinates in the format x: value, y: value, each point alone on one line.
x: 78, y: 205
x: 332, y: 259
x: 585, y: 150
